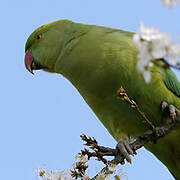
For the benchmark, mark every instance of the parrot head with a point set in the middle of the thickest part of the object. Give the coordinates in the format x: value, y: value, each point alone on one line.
x: 43, y: 46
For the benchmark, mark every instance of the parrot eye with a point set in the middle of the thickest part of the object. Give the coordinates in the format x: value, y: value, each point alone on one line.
x: 38, y: 37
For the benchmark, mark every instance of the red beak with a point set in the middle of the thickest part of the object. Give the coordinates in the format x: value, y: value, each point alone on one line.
x: 28, y: 60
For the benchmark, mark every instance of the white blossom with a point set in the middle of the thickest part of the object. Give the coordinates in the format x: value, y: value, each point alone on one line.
x: 57, y: 175
x: 147, y: 76
x: 149, y: 33
x: 101, y: 176
x: 173, y: 53
x: 85, y: 177
x: 161, y: 45
x: 120, y: 175
x: 68, y: 174
x: 169, y: 3
x: 154, y: 45
x: 111, y: 168
x: 81, y: 158
x: 53, y: 176
x: 144, y: 57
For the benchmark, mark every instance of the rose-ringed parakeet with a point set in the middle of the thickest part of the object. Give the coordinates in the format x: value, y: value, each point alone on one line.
x: 98, y: 61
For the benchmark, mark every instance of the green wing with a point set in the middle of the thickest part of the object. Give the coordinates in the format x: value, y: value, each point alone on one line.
x: 171, y: 82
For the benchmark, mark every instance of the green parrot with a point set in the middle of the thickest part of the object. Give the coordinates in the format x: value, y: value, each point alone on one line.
x: 98, y: 61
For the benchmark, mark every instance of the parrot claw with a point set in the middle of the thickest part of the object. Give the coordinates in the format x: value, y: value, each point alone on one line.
x: 170, y: 112
x: 124, y: 147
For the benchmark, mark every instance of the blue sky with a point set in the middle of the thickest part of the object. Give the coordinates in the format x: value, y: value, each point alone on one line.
x: 42, y: 116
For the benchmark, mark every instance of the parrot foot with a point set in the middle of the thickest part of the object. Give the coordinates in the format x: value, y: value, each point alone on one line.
x: 124, y: 147
x: 170, y: 112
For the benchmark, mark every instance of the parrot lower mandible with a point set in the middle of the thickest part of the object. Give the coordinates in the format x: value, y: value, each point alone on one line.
x: 98, y: 61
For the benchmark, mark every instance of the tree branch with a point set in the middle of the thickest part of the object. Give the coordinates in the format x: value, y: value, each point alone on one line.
x: 137, y: 144
x: 152, y: 135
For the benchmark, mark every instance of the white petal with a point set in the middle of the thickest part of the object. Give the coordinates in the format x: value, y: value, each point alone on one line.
x: 148, y: 33
x: 166, y: 39
x: 150, y: 64
x: 137, y: 40
x: 107, y: 177
x: 176, y: 49
x: 111, y: 168
x: 147, y: 76
x: 173, y: 54
x: 68, y: 175
x: 160, y: 46
x: 168, y: 3
x: 139, y: 66
x: 84, y: 158
x: 85, y: 177
x: 158, y: 50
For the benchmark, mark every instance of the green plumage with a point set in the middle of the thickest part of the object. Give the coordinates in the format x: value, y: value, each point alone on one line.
x: 98, y: 60
x: 172, y: 82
